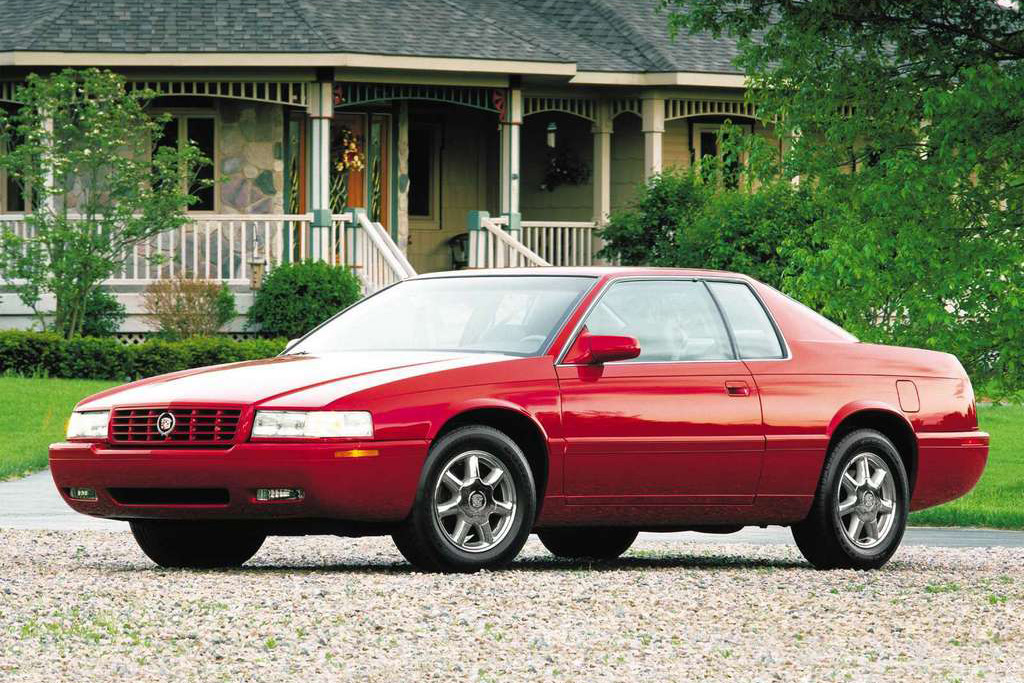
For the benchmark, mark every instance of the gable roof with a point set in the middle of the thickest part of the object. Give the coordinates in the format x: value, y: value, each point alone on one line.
x: 629, y: 36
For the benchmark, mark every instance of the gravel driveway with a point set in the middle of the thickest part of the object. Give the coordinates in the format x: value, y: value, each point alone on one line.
x: 87, y: 605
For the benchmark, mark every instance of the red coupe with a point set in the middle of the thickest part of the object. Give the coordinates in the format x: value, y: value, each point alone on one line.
x: 458, y: 412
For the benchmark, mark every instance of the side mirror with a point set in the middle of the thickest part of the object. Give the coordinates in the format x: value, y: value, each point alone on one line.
x: 594, y: 349
x: 290, y: 344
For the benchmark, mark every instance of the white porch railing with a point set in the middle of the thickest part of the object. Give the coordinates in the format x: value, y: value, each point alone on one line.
x: 223, y: 247
x: 374, y: 256
x: 561, y: 243
x: 492, y: 246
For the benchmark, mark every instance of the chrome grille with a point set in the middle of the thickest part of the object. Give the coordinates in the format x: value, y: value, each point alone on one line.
x: 192, y: 425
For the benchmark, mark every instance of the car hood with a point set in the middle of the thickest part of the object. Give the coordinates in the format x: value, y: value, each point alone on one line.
x: 255, y: 382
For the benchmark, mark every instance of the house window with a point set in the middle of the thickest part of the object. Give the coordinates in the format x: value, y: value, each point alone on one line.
x: 12, y: 197
x: 706, y: 145
x: 424, y: 173
x: 201, y: 131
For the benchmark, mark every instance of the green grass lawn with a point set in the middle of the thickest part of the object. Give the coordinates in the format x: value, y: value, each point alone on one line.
x: 33, y: 413
x: 998, y: 499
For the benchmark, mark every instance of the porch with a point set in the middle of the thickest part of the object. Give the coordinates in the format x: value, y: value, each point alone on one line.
x: 491, y: 173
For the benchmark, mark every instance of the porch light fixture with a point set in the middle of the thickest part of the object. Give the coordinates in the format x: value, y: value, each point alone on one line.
x: 315, y: 424
x: 552, y: 131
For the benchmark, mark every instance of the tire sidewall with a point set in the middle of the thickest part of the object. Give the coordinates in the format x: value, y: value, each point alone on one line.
x: 871, y: 442
x: 511, y: 456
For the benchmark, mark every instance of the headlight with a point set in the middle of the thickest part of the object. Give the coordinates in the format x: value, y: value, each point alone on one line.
x: 312, y: 425
x: 88, y: 425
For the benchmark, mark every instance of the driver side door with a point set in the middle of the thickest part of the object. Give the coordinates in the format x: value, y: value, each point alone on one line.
x: 678, y: 425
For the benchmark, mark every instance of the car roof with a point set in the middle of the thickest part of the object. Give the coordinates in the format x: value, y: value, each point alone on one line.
x: 587, y: 271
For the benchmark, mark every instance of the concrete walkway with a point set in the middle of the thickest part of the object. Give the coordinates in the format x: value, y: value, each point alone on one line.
x: 33, y: 503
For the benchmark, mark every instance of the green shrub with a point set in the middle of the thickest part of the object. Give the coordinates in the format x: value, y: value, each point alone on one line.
x: 296, y: 297
x: 157, y: 357
x: 103, y: 314
x: 645, y: 232
x: 679, y: 220
x: 28, y: 353
x: 748, y: 232
x: 90, y: 358
x: 43, y: 353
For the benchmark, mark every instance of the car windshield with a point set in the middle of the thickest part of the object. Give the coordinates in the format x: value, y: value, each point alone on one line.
x: 515, y: 315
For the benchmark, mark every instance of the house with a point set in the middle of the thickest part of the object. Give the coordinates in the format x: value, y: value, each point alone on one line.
x: 541, y: 116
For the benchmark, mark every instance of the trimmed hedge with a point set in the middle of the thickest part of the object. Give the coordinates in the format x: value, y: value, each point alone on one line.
x: 44, y: 353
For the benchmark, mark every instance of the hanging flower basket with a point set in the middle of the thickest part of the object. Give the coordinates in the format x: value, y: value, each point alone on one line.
x: 564, y: 167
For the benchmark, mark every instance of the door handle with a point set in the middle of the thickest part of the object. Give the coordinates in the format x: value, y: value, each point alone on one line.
x: 735, y: 388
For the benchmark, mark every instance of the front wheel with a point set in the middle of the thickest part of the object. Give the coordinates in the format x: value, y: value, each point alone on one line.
x: 475, y: 505
x: 196, y: 545
x: 592, y: 543
x: 860, y: 510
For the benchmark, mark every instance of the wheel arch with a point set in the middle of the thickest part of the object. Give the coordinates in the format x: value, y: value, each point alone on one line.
x: 882, y: 418
x: 519, y: 425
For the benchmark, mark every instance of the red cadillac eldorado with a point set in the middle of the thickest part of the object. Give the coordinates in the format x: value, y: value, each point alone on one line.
x: 459, y: 412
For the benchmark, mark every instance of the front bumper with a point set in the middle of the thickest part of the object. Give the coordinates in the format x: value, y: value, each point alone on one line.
x: 377, y: 484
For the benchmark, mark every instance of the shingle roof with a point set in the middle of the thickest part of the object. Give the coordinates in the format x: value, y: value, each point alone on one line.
x: 596, y: 35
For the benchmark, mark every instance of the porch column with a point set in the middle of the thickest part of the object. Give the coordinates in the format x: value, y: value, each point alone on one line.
x: 320, y: 111
x: 510, y: 124
x: 402, y: 150
x: 602, y: 132
x: 653, y: 128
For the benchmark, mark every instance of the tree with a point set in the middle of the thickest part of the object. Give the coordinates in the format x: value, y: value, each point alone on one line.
x: 906, y: 117
x: 83, y: 148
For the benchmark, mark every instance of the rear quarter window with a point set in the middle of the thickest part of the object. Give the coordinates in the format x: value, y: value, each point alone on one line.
x: 756, y: 337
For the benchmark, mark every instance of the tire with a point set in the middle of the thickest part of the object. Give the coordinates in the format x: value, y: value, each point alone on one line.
x: 829, y: 538
x: 588, y: 543
x: 196, y: 545
x: 445, y: 532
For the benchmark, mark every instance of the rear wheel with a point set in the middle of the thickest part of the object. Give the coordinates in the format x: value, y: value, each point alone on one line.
x: 860, y: 510
x: 196, y: 545
x: 475, y: 506
x: 591, y: 542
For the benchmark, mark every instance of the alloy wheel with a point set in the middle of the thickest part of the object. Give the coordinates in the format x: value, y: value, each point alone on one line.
x: 474, y: 501
x: 866, y: 501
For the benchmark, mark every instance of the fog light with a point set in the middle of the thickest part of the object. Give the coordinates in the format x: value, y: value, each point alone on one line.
x: 265, y: 495
x: 78, y: 493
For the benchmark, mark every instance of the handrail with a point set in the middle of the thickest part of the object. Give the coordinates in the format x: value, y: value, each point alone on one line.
x: 400, y: 257
x: 381, y: 243
x: 493, y: 227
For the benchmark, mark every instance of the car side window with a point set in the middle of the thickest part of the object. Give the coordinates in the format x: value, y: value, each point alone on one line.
x: 674, y: 320
x: 755, y: 335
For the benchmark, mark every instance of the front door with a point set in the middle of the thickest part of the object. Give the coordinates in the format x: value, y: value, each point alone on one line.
x: 679, y: 424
